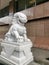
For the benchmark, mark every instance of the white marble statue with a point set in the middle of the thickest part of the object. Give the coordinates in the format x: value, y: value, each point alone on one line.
x: 16, y: 47
x: 17, y: 31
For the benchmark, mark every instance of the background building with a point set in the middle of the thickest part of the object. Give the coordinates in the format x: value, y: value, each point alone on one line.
x: 38, y: 19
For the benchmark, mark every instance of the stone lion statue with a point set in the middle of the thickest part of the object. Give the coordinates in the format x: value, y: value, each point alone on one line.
x: 17, y: 31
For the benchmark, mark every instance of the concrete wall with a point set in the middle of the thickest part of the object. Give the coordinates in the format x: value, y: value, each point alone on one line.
x: 38, y: 32
x: 3, y: 30
x: 38, y: 25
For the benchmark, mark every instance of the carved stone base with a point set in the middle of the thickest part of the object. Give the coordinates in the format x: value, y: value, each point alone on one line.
x: 17, y: 53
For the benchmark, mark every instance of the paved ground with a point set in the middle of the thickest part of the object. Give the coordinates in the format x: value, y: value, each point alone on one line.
x: 41, y: 56
x: 34, y: 63
x: 40, y: 53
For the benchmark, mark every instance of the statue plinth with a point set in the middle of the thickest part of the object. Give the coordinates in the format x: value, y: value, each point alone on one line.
x: 19, y: 53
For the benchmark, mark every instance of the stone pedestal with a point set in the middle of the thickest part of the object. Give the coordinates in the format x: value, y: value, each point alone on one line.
x: 17, y: 53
